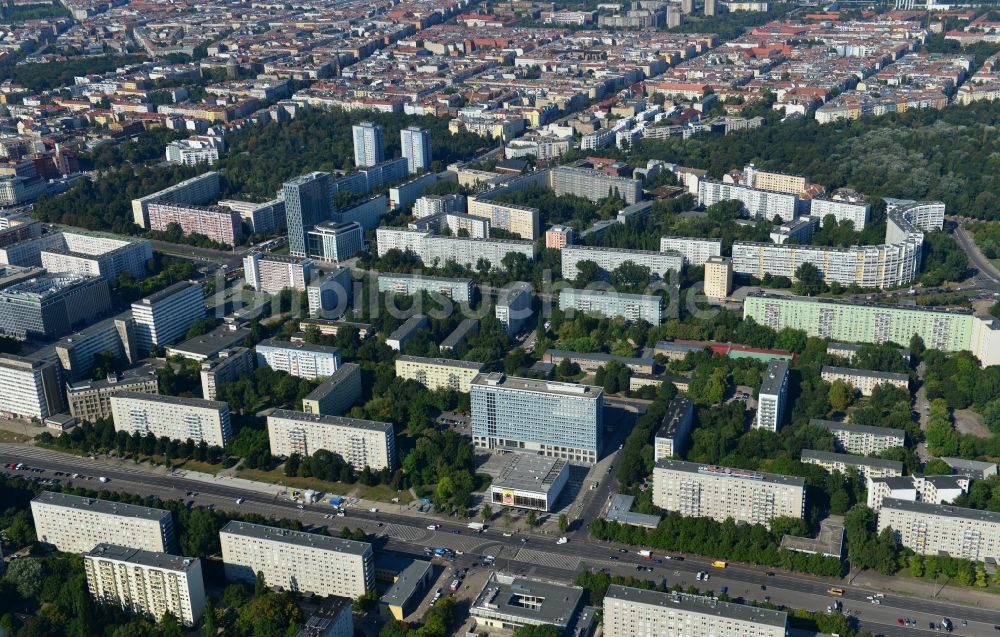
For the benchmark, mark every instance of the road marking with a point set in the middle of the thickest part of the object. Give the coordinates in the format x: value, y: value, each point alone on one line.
x: 531, y: 556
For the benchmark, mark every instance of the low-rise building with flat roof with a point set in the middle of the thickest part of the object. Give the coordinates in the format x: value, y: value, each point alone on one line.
x: 975, y: 469
x: 530, y: 482
x: 297, y: 561
x: 407, y: 588
x: 459, y: 335
x: 620, y: 510
x: 406, y: 331
x: 512, y: 602
x: 636, y: 612
x: 206, y: 346
x: 333, y: 619
x: 676, y: 351
x: 591, y: 361
x: 866, y: 467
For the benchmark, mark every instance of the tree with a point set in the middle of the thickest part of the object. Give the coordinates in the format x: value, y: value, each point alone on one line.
x: 841, y: 395
x: 260, y: 585
x: 808, y: 280
x: 531, y: 519
x: 545, y: 630
x: 486, y: 512
x: 563, y: 522
x: 209, y: 628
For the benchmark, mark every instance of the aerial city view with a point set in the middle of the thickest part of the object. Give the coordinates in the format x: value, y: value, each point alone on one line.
x: 502, y: 318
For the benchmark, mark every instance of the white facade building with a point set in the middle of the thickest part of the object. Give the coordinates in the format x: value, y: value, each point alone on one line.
x: 299, y: 359
x: 772, y: 396
x: 146, y: 583
x: 171, y: 416
x: 75, y: 524
x: 163, y: 318
x: 361, y: 443
x: 936, y: 529
x: 297, y: 561
x: 695, y: 251
x: 757, y: 204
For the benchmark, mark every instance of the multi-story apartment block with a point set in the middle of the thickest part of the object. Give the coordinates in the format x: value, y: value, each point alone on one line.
x: 938, y: 529
x: 90, y: 400
x: 863, y: 380
x: 708, y: 491
x: 799, y: 231
x: 197, y: 190
x: 361, y: 443
x: 304, y: 360
x: 839, y: 320
x: 406, y: 331
x: 659, y: 263
x: 335, y: 241
x: 369, y: 144
x: 881, y: 266
x: 29, y: 388
x: 76, y: 352
x: 456, y: 223
x: 513, y: 307
x: 434, y: 250
x: 336, y: 394
x: 74, y: 524
x: 50, y: 306
x: 438, y: 373
x: 330, y: 295
x: 772, y: 396
x: 431, y: 205
x: 917, y: 488
x: 632, y: 307
x: 308, y: 201
x: 297, y: 561
x: 757, y: 204
x: 558, y: 237
x: 163, y: 318
x: 862, y: 439
x: 671, y: 437
x: 416, y: 144
x: 402, y: 196
x: 190, y: 152
x: 272, y: 273
x: 218, y: 223
x: 637, y: 612
x: 520, y: 220
x: 855, y: 212
x: 458, y: 290
x: 753, y: 177
x: 173, y: 417
x: 594, y: 184
x: 718, y: 277
x: 146, y: 583
x: 559, y: 420
x: 975, y: 469
x: 866, y: 467
x: 259, y: 218
x: 694, y: 251
x: 227, y: 366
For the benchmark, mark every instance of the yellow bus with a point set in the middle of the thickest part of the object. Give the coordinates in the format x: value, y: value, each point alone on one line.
x: 836, y: 592
x: 719, y: 564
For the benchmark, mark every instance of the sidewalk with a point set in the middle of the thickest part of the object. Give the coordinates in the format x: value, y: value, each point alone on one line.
x: 923, y: 589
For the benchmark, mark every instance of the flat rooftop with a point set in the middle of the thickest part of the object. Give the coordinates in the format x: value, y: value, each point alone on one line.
x: 528, y: 472
x: 408, y: 583
x: 208, y: 345
x: 620, y: 510
x: 822, y: 301
x: 412, y: 325
x: 597, y: 356
x: 166, y: 292
x: 143, y: 558
x: 497, y: 379
x: 574, y: 292
x: 698, y: 604
x: 942, y: 510
x: 442, y: 362
x: 345, y: 371
x: 457, y: 335
x: 833, y: 425
x: 139, y: 374
x: 107, y: 507
x: 975, y: 465
x: 867, y: 373
x: 679, y: 410
x: 336, y: 421
x: 501, y: 594
x: 711, y: 470
x: 849, y: 459
x: 298, y: 538
x: 774, y: 377
x: 388, y: 276
x: 302, y: 347
x: 164, y: 399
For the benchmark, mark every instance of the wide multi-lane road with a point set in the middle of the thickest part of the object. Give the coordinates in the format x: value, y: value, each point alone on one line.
x: 529, y: 554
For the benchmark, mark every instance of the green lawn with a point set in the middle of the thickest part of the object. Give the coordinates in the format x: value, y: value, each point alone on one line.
x: 10, y: 436
x: 379, y: 493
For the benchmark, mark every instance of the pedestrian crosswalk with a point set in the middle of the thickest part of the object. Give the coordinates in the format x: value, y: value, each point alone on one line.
x: 554, y: 560
x: 404, y: 532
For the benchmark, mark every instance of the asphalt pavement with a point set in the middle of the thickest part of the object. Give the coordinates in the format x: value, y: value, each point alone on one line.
x: 537, y: 555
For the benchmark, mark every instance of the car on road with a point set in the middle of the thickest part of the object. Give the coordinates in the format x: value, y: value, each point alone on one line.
x: 240, y: 500
x: 613, y: 557
x: 623, y: 550
x: 900, y: 621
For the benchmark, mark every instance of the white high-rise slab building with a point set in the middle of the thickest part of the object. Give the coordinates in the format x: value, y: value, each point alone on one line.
x: 171, y: 416
x: 416, y: 143
x: 74, y: 524
x: 369, y: 144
